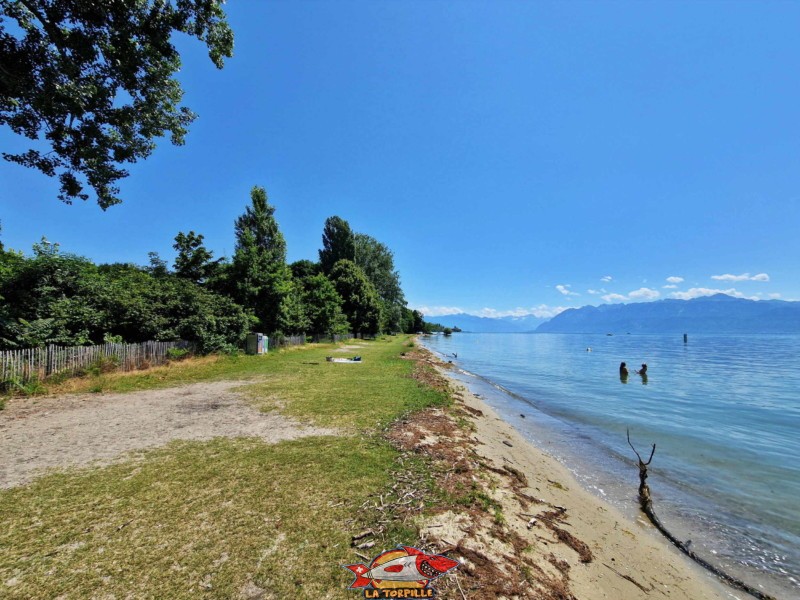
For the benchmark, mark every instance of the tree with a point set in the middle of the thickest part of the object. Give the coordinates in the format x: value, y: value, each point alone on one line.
x: 360, y: 302
x: 304, y: 269
x: 417, y: 322
x: 194, y: 260
x: 338, y: 243
x: 292, y: 317
x: 94, y: 82
x: 324, y: 306
x: 158, y: 266
x: 377, y: 262
x: 260, y: 278
x: 55, y: 298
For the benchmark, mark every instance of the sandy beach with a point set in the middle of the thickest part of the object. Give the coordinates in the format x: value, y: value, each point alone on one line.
x: 577, y: 545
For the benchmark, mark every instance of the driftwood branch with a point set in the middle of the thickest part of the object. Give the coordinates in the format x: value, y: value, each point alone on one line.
x: 646, y: 504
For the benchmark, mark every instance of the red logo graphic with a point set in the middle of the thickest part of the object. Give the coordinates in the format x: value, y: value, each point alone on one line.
x: 404, y: 572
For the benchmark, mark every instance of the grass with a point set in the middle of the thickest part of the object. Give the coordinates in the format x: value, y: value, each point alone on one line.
x: 193, y: 519
x: 366, y: 395
x: 226, y: 518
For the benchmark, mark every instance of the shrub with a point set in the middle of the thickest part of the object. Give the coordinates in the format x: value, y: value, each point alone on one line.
x: 177, y: 353
x: 24, y: 388
x: 103, y: 364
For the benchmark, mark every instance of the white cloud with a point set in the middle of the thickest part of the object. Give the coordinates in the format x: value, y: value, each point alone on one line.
x: 669, y: 287
x: 729, y: 277
x: 546, y: 312
x: 644, y: 294
x: 698, y: 292
x: 614, y: 297
x: 493, y: 313
x: 742, y: 277
x: 606, y: 278
x: 543, y: 311
x: 674, y: 279
x: 564, y: 289
x: 774, y: 296
x: 438, y: 311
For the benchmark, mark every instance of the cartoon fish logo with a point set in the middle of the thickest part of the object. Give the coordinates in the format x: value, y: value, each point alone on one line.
x: 403, y: 567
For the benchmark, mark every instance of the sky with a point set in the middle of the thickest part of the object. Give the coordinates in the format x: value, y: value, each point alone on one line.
x: 517, y: 157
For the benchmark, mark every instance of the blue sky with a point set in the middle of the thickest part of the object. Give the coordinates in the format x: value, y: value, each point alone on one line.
x: 517, y: 157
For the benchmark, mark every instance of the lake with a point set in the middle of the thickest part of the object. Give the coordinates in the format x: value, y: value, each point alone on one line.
x: 723, y: 411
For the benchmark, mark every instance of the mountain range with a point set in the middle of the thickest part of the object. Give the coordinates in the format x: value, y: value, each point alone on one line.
x: 709, y: 314
x: 719, y: 313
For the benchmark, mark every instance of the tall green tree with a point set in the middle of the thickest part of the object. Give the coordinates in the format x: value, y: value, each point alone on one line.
x: 324, y: 306
x: 338, y: 243
x: 261, y: 279
x: 377, y: 262
x: 194, y: 261
x: 95, y: 82
x: 292, y: 316
x: 360, y: 302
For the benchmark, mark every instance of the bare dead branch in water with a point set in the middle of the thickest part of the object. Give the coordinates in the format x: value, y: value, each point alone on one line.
x: 646, y: 504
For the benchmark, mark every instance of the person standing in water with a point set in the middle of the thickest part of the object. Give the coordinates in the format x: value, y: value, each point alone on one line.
x: 643, y: 373
x: 623, y: 373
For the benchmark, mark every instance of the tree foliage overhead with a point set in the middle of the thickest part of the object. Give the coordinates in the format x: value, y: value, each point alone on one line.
x: 93, y: 82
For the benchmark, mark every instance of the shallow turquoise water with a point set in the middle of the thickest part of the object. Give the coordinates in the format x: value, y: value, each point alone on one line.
x: 723, y: 411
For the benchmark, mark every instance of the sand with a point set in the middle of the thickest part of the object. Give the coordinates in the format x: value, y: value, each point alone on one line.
x: 628, y: 559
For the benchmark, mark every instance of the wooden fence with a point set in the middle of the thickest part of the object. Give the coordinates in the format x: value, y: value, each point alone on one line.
x: 38, y: 363
x: 339, y: 337
x: 281, y: 341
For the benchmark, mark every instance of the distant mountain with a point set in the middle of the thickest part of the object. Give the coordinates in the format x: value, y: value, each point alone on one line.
x: 710, y: 314
x: 475, y: 324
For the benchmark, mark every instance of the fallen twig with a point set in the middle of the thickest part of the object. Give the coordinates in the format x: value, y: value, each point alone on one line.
x: 629, y: 578
x: 458, y: 583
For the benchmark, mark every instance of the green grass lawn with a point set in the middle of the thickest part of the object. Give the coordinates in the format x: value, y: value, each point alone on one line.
x: 225, y: 518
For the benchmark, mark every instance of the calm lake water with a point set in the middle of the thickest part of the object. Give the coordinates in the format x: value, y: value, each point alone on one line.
x: 723, y: 410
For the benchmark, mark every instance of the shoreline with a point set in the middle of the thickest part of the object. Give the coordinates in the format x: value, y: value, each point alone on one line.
x: 629, y: 559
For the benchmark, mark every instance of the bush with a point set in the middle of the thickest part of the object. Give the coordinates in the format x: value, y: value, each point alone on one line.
x: 103, y: 364
x: 177, y: 353
x: 28, y: 388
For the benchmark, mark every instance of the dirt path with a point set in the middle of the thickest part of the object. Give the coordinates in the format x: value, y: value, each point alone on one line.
x: 67, y: 431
